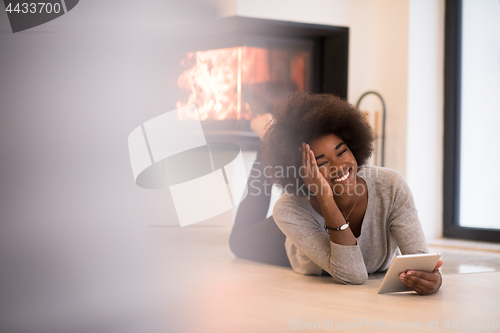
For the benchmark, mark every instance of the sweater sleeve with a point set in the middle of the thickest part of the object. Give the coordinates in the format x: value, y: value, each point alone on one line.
x: 404, y: 224
x: 311, y: 243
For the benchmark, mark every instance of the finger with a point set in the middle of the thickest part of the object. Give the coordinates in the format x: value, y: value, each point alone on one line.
x: 422, y: 291
x: 309, y: 166
x: 304, y: 155
x: 422, y: 283
x: 306, y: 158
x: 429, y: 280
x: 404, y: 278
x: 419, y: 284
x: 428, y: 284
x: 414, y: 278
x: 312, y: 159
x: 429, y: 276
x: 314, y: 166
x: 418, y: 288
x: 439, y: 264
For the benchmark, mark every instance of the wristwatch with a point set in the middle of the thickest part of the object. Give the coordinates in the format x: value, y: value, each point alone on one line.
x: 342, y: 227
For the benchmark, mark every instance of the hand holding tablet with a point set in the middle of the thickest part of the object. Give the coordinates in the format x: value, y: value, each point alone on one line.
x: 403, y: 263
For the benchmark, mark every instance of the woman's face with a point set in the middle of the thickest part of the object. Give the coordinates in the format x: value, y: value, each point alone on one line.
x: 336, y: 162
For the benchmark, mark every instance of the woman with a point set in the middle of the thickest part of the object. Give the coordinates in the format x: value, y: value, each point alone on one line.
x: 336, y: 216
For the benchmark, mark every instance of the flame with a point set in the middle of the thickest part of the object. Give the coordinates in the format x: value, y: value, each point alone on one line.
x: 229, y: 83
x: 216, y: 78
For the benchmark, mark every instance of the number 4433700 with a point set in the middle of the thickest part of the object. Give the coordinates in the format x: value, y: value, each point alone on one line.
x: 34, y: 8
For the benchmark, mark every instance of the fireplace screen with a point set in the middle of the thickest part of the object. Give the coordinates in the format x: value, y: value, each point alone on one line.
x: 240, y: 82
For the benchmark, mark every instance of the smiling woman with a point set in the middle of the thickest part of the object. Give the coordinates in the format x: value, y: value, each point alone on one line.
x: 337, y: 216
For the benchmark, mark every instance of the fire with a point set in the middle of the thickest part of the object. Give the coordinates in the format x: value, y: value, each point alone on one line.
x: 216, y: 78
x: 227, y: 83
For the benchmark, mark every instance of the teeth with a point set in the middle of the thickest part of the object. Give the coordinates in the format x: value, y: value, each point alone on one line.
x: 341, y: 179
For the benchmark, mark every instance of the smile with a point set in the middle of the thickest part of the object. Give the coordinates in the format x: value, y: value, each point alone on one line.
x: 344, y: 177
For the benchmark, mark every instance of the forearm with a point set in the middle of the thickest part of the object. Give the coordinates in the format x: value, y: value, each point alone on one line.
x: 334, y: 219
x: 297, y: 220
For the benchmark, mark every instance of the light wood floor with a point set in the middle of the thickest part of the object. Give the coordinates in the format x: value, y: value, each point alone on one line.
x: 208, y: 290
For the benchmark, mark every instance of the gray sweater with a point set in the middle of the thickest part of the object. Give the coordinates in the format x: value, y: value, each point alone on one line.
x: 390, y: 222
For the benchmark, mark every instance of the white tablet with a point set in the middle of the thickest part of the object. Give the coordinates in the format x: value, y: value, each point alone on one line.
x: 418, y: 262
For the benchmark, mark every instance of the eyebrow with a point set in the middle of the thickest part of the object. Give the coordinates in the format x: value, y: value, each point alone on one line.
x: 319, y: 156
x: 323, y: 155
x: 339, y: 145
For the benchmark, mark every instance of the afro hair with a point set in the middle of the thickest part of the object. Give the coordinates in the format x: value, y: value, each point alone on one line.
x: 305, y: 117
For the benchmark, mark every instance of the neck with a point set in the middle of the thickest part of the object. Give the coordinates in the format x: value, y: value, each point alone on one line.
x: 346, y: 200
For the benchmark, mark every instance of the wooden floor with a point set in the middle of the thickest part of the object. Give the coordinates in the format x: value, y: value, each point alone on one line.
x: 208, y: 290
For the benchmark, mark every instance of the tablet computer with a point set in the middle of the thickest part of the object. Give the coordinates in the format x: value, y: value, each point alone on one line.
x: 417, y: 262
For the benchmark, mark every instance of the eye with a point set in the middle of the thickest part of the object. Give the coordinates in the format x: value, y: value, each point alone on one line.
x: 343, y: 151
x: 322, y: 164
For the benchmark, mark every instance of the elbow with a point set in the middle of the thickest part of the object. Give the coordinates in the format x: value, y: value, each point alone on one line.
x: 355, y: 279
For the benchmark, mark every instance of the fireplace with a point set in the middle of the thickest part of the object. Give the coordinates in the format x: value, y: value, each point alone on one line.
x: 235, y: 68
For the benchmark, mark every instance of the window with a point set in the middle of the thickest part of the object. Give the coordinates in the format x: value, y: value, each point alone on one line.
x: 472, y: 120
